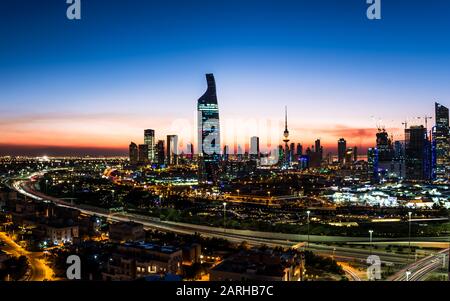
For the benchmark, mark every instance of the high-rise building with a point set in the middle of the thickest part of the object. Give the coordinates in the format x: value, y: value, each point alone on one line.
x: 385, y: 154
x: 441, y: 144
x: 319, y: 149
x: 384, y: 146
x: 416, y: 145
x: 299, y: 150
x: 160, y: 152
x: 189, y: 151
x: 226, y: 153
x: 172, y: 150
x: 372, y: 164
x: 355, y: 153
x: 149, y: 139
x: 398, y: 166
x: 291, y: 152
x: 254, y: 148
x: 133, y: 153
x: 208, y: 133
x: 342, y: 148
x: 143, y: 153
x: 349, y: 155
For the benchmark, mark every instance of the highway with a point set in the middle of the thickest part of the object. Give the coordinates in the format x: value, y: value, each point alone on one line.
x: 38, y: 271
x: 344, y: 253
x: 420, y: 269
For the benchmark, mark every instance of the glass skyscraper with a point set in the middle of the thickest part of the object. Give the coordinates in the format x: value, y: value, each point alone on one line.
x: 149, y: 139
x: 208, y: 133
x: 441, y: 147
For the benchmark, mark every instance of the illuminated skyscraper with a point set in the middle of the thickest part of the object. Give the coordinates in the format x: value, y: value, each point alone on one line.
x: 143, y: 153
x: 254, y: 148
x: 133, y: 152
x: 208, y: 133
x: 372, y: 164
x: 342, y: 148
x: 355, y: 153
x: 149, y: 139
x: 417, y: 160
x: 441, y: 147
x: 172, y: 150
x: 385, y: 154
x: 160, y: 152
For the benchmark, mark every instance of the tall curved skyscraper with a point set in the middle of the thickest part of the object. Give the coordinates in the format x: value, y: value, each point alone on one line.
x: 208, y: 133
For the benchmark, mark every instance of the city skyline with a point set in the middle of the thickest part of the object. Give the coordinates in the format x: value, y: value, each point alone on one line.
x: 338, y: 74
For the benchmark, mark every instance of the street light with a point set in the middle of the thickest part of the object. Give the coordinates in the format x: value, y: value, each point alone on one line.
x: 224, y: 215
x: 308, y: 212
x: 409, y: 231
x: 370, y: 239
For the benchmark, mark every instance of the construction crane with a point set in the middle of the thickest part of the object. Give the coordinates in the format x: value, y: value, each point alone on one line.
x: 426, y: 118
x: 405, y: 124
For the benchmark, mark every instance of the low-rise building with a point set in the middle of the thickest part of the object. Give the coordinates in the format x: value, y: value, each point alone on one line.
x: 126, y: 231
x: 60, y: 233
x: 259, y: 265
x: 131, y: 261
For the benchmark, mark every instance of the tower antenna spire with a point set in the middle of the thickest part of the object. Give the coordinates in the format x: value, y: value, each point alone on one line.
x: 285, y: 118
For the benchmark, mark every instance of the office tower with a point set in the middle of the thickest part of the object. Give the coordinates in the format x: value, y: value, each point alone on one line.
x: 372, y: 164
x: 398, y: 164
x: 399, y: 150
x: 133, y: 153
x: 208, y: 133
x: 160, y: 152
x: 385, y: 154
x: 149, y: 139
x: 254, y: 148
x: 349, y: 155
x: 240, y: 152
x: 291, y: 152
x: 286, y: 140
x: 416, y: 153
x: 299, y: 150
x: 280, y: 154
x: 355, y: 153
x: 226, y: 152
x: 384, y: 146
x: 441, y: 146
x: 143, y: 153
x: 342, y: 148
x: 189, y: 151
x: 319, y: 149
x: 172, y: 150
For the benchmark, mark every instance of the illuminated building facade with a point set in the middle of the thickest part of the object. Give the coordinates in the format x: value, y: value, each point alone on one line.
x: 143, y: 153
x: 441, y: 146
x: 342, y: 148
x: 160, y: 152
x: 133, y: 153
x: 417, y: 154
x: 149, y: 139
x: 172, y: 150
x: 208, y: 133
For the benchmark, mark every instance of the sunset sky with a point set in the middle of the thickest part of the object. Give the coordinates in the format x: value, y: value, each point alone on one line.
x: 92, y: 86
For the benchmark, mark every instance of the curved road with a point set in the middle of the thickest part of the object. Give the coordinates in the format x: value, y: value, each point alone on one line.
x: 420, y: 270
x: 39, y: 271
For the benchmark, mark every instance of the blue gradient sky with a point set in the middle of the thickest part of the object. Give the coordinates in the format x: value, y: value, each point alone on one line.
x: 130, y: 65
